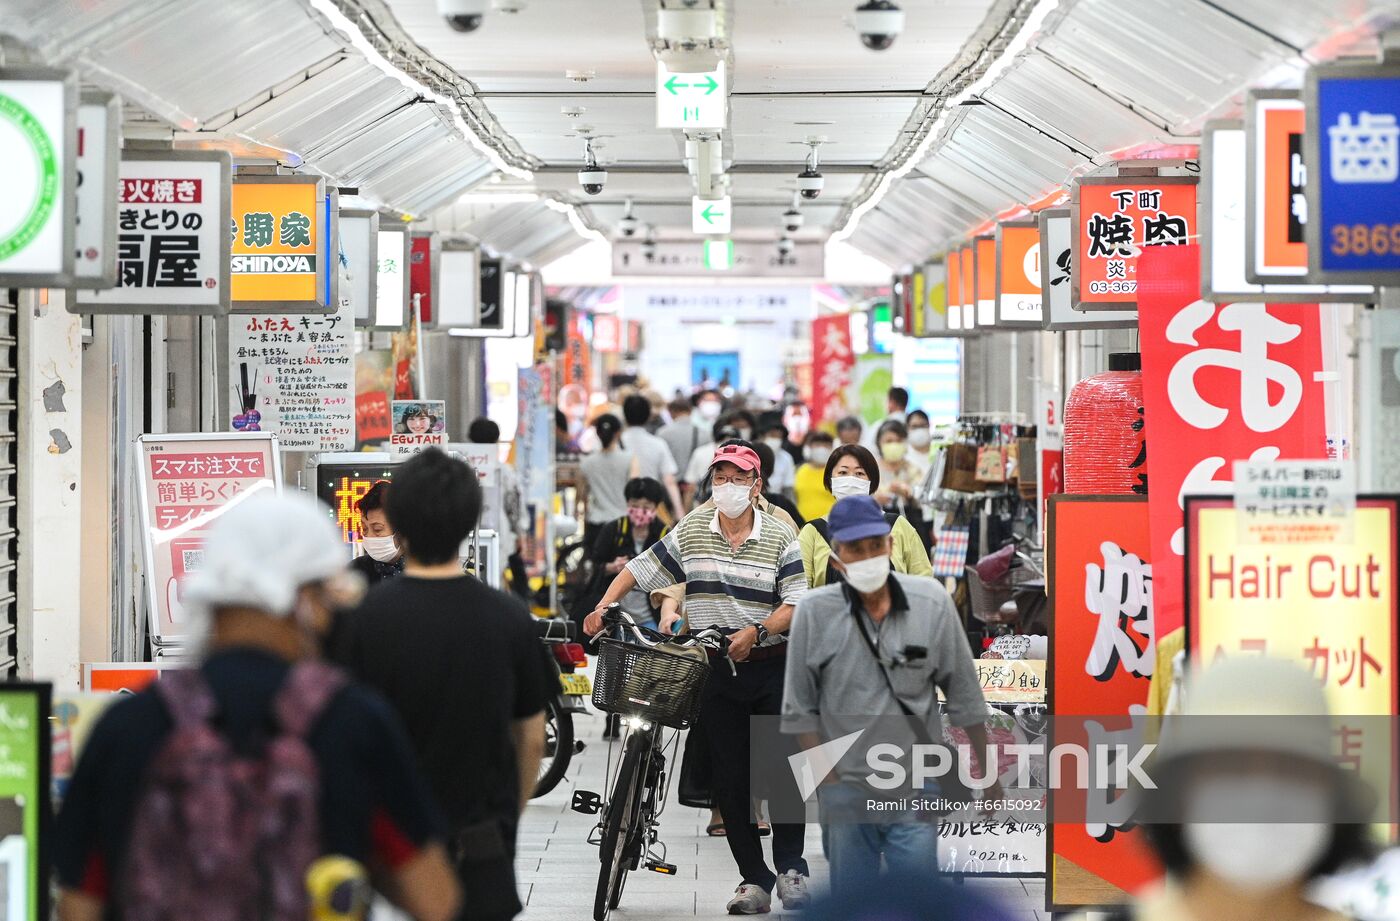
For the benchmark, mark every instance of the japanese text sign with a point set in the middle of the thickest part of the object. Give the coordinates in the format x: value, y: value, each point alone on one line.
x: 281, y: 239
x: 985, y: 260
x: 832, y: 361
x: 391, y: 282
x: 1295, y: 502
x: 186, y: 482
x: 1277, y: 180
x: 1018, y: 274
x: 1115, y: 218
x: 1352, y: 148
x: 172, y: 235
x: 1056, y: 295
x: 1103, y: 635
x: 1221, y: 383
x: 37, y: 109
x: 99, y: 157
x: 418, y: 424
x: 25, y: 791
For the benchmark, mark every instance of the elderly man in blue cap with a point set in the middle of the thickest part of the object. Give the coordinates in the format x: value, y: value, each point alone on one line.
x: 878, y: 644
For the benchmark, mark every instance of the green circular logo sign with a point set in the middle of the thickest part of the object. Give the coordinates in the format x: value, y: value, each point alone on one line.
x: 46, y: 189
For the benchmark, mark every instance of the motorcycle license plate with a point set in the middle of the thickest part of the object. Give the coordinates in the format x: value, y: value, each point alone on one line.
x: 576, y: 684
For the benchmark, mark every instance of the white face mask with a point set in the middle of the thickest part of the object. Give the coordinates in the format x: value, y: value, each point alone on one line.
x: 843, y: 486
x: 920, y: 438
x: 818, y: 456
x: 1256, y: 856
x: 383, y: 549
x: 775, y: 443
x: 745, y: 434
x: 866, y: 576
x: 709, y: 409
x: 732, y: 499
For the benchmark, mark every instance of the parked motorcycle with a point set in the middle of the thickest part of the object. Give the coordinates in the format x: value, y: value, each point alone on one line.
x: 566, y: 657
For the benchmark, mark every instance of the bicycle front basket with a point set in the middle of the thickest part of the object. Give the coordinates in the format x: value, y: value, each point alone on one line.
x: 662, y: 684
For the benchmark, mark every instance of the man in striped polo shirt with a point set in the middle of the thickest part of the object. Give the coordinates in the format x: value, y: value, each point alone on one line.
x: 742, y: 572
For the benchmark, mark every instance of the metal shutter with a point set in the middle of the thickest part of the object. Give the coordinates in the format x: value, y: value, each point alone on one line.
x: 9, y: 487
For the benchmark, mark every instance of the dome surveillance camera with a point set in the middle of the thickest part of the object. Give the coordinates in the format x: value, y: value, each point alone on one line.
x: 786, y: 246
x: 593, y: 178
x: 628, y: 225
x: 810, y: 183
x: 649, y: 250
x: 879, y: 22
x: 792, y: 220
x: 462, y: 15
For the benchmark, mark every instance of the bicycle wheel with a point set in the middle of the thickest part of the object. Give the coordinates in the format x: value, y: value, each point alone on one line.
x: 619, y: 826
x: 558, y: 747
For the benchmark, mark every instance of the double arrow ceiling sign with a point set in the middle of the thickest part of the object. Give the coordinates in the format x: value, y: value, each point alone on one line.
x: 691, y: 100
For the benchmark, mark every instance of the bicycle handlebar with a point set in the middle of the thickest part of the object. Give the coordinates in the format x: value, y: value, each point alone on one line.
x: 710, y: 637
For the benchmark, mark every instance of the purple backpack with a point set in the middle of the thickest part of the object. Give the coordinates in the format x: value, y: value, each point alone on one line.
x: 219, y: 837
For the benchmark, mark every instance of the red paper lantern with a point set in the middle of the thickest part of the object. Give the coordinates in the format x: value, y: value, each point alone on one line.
x: 1105, y: 439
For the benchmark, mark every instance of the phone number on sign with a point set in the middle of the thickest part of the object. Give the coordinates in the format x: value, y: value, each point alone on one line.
x: 1365, y: 239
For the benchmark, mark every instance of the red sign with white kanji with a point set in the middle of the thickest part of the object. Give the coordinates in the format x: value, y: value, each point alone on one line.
x: 832, y: 361
x: 1221, y: 383
x: 1115, y: 220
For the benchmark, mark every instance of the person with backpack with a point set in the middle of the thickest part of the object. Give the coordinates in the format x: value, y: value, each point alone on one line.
x: 219, y: 792
x: 851, y: 470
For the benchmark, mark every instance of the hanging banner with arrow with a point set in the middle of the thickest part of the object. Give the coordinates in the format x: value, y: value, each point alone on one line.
x: 710, y: 215
x: 691, y: 100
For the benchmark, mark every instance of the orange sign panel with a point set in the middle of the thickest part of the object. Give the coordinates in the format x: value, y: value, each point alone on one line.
x: 277, y: 231
x: 953, y: 263
x: 969, y: 287
x: 985, y: 258
x: 1115, y: 218
x: 1280, y: 214
x: 1018, y: 274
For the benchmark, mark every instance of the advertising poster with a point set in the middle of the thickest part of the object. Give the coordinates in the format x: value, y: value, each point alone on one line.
x: 24, y: 801
x: 985, y: 261
x: 534, y: 448
x: 37, y: 108
x: 374, y: 383
x: 74, y: 716
x: 186, y: 481
x: 172, y: 235
x: 832, y: 363
x: 294, y: 375
x: 1221, y: 383
x: 871, y: 379
x: 283, y: 255
x: 99, y: 157
x: 1115, y: 220
x: 1102, y: 653
x: 1018, y: 274
x: 418, y: 424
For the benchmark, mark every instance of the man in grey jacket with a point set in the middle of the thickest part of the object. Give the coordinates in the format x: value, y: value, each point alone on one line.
x: 877, y: 645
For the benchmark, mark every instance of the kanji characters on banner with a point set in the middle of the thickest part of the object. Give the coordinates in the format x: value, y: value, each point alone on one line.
x: 832, y: 362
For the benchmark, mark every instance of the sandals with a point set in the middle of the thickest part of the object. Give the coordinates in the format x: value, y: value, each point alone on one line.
x: 715, y: 830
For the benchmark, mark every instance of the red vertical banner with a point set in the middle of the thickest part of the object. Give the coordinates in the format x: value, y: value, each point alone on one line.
x: 577, y: 356
x: 832, y: 361
x: 1221, y: 383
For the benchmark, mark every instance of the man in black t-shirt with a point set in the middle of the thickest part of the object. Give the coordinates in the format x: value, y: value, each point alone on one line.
x: 461, y: 664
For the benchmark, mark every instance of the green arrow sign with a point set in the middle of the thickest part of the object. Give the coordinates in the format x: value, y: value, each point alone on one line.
x: 673, y: 85
x: 710, y: 85
x: 709, y: 214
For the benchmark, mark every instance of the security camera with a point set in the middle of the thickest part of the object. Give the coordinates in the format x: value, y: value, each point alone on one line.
x: 649, y: 250
x: 879, y: 22
x: 593, y: 178
x: 810, y: 183
x: 462, y: 15
x: 792, y: 220
x: 786, y: 246
x: 628, y: 225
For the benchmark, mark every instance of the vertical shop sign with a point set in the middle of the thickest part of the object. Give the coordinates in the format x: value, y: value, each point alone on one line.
x: 1056, y: 295
x: 1277, y: 212
x: 186, y: 483
x: 967, y: 269
x: 937, y: 317
x: 25, y: 793
x: 37, y: 111
x: 418, y: 424
x: 172, y: 235
x: 1018, y: 274
x: 832, y: 362
x: 423, y: 266
x: 1115, y: 219
x: 914, y: 313
x: 535, y: 447
x: 578, y: 370
x: 984, y: 259
x: 952, y: 262
x: 359, y: 259
x: 283, y: 244
x: 459, y: 275
x: 1103, y: 633
x: 391, y: 280
x: 294, y: 375
x: 1352, y: 147
x: 99, y: 157
x: 1221, y: 383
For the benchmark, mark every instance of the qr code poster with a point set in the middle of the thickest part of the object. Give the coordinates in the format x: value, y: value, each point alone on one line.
x: 418, y: 424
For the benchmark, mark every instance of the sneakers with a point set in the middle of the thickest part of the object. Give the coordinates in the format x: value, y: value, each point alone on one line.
x: 750, y: 900
x: 792, y: 889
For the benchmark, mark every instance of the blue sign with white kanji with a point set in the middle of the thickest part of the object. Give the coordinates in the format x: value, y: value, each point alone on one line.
x: 1355, y: 139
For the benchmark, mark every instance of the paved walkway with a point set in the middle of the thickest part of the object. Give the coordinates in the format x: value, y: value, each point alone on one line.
x: 558, y: 869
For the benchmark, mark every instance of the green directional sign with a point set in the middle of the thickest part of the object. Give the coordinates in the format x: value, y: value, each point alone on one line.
x: 710, y: 215
x: 691, y: 100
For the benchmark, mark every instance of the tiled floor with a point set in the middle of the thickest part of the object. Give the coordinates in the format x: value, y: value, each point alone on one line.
x: 558, y: 869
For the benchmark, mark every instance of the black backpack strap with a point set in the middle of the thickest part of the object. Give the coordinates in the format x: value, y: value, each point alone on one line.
x: 891, y: 518
x: 823, y: 529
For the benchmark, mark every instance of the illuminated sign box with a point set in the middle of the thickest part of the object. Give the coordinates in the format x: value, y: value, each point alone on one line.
x: 284, y: 250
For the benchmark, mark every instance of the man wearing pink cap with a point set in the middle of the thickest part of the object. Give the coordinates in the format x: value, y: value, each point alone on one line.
x: 742, y: 571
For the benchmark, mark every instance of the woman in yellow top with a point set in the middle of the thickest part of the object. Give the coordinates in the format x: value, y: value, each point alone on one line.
x: 809, y: 486
x: 851, y: 470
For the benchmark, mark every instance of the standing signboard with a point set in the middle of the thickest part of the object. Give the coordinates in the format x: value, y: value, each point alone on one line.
x: 284, y: 246
x: 1103, y: 633
x: 985, y: 261
x: 1056, y: 292
x: 38, y: 107
x: 459, y: 277
x: 1115, y: 219
x: 294, y: 375
x: 485, y: 460
x: 832, y: 361
x: 1352, y: 147
x: 1229, y: 227
x: 391, y: 300
x: 1221, y: 383
x: 1018, y: 283
x: 172, y: 235
x: 423, y: 253
x: 99, y: 155
x: 968, y: 273
x: 185, y: 483
x: 418, y: 424
x: 359, y: 255
x: 25, y: 799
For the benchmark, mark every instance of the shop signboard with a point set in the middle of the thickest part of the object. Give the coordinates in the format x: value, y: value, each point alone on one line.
x: 25, y: 787
x: 37, y: 116
x: 485, y: 460
x: 833, y: 360
x: 284, y: 244
x: 952, y: 262
x: 391, y: 298
x: 423, y: 270
x: 1222, y: 382
x: 1352, y: 149
x: 1103, y: 633
x: 914, y: 307
x: 984, y: 260
x: 123, y: 677
x: 294, y: 375
x: 1018, y: 274
x: 459, y: 277
x: 359, y: 257
x: 871, y: 379
x: 342, y: 481
x: 495, y: 297
x: 1227, y: 231
x: 968, y: 272
x: 99, y: 154
x: 173, y: 242
x: 185, y: 483
x: 1056, y: 293
x: 535, y: 436
x: 1115, y: 219
x: 418, y: 424
x: 936, y: 313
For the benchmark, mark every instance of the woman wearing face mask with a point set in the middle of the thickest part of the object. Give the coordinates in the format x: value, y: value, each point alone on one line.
x: 920, y: 440
x: 851, y: 470
x: 899, y: 475
x: 383, y: 557
x: 624, y: 539
x: 809, y: 483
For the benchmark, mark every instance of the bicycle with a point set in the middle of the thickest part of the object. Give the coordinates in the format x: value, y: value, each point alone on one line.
x: 653, y: 684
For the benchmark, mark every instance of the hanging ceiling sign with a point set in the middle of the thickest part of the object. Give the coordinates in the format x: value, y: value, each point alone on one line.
x: 423, y: 253
x: 1115, y: 217
x: 284, y: 248
x: 99, y: 157
x: 952, y: 265
x: 495, y: 299
x: 1018, y: 274
x: 711, y: 215
x: 967, y: 262
x: 359, y: 259
x: 1353, y: 138
x: 391, y: 281
x: 459, y: 280
x: 172, y: 235
x: 1056, y: 300
x: 37, y: 114
x: 694, y: 258
x: 691, y: 100
x: 1224, y: 253
x: 984, y: 257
